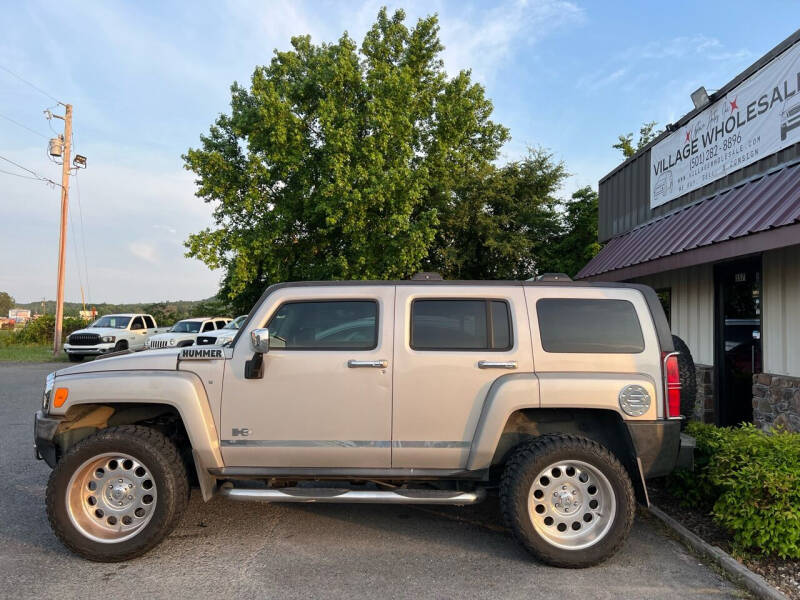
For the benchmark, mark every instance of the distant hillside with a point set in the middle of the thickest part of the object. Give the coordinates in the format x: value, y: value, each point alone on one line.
x: 165, y: 313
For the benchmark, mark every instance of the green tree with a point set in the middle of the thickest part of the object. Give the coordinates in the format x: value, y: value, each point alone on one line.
x: 501, y: 223
x: 6, y: 303
x: 337, y: 162
x: 647, y: 133
x: 577, y: 244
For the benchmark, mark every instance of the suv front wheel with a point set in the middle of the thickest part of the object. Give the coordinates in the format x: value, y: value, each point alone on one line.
x: 568, y: 500
x: 117, y: 493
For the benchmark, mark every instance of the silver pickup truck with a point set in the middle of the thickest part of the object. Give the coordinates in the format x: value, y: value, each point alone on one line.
x: 562, y: 397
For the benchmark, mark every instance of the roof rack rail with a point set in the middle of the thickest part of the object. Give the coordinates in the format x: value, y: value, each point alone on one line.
x: 426, y: 277
x: 552, y: 277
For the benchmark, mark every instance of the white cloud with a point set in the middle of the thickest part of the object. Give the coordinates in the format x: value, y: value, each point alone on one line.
x: 144, y: 250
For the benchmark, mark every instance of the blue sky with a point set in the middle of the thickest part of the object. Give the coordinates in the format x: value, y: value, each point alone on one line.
x: 147, y: 78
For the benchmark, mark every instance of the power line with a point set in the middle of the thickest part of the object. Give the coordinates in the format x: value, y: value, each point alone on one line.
x: 17, y: 123
x: 83, y: 233
x: 18, y: 175
x: 34, y: 173
x: 36, y: 87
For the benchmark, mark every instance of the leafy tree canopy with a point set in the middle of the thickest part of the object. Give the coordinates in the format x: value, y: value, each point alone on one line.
x: 6, y: 303
x: 647, y: 133
x: 338, y: 162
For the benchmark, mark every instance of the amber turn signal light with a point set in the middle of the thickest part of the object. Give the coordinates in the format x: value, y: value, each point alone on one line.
x: 60, y: 397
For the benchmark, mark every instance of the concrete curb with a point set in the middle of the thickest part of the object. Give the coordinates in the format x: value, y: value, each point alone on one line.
x: 735, y: 570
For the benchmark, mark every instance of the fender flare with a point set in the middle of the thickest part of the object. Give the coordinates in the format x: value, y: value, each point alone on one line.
x: 182, y: 390
x: 507, y: 394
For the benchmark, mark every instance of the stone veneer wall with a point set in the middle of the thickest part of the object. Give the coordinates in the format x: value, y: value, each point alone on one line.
x: 704, y: 401
x: 776, y: 401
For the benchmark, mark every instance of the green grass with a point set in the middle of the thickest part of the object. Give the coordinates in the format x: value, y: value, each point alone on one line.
x: 29, y: 353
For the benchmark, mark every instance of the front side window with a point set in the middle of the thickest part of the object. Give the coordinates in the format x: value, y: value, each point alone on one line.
x: 325, y: 325
x: 445, y: 324
x: 573, y: 325
x: 138, y: 323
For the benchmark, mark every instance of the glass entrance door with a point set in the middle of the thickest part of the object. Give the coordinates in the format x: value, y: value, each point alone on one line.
x: 738, y: 333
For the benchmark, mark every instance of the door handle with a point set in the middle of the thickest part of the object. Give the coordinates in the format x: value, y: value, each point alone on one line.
x: 493, y: 364
x: 374, y: 364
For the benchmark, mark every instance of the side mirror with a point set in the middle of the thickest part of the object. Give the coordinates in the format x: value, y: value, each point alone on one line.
x: 259, y: 340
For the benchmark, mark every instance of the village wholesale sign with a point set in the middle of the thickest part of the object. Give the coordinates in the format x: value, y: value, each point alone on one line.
x: 757, y: 118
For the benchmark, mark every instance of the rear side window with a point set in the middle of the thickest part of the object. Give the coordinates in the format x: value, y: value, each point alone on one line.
x: 149, y: 321
x: 325, y: 325
x: 220, y: 324
x: 460, y: 325
x: 589, y: 326
x: 208, y: 326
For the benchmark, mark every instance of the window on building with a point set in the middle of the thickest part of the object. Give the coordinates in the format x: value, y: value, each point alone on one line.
x: 325, y: 325
x: 665, y: 297
x: 479, y: 324
x: 572, y: 325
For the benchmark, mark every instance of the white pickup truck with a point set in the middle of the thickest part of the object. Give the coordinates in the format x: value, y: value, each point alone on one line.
x: 111, y: 333
x: 184, y: 333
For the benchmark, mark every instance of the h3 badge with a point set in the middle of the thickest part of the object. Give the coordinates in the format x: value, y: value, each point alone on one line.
x: 240, y: 431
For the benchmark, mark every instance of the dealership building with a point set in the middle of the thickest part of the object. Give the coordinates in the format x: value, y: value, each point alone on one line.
x: 708, y: 214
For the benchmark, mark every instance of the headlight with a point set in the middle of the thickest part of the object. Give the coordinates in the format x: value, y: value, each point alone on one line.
x: 48, y: 391
x: 173, y: 341
x: 221, y: 341
x: 108, y: 338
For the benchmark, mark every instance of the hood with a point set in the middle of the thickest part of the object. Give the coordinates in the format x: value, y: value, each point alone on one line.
x: 100, y: 331
x: 159, y: 360
x: 173, y: 335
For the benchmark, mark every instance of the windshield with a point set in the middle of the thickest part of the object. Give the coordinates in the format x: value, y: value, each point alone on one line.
x: 186, y: 327
x: 112, y: 321
x: 236, y: 323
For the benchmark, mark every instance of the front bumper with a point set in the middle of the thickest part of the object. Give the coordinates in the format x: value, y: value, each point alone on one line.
x: 89, y: 350
x: 661, y: 447
x: 44, y: 432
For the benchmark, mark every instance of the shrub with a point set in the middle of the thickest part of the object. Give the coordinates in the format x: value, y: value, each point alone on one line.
x: 41, y: 330
x: 750, y: 482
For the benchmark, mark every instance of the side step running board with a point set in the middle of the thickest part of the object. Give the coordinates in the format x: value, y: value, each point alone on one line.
x: 332, y: 495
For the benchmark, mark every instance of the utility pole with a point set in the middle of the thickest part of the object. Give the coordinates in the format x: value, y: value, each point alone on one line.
x: 62, y: 238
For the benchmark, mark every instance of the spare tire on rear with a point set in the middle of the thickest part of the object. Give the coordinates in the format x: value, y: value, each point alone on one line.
x: 688, y: 376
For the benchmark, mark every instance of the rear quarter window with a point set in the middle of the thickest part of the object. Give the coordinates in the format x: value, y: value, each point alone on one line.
x: 578, y: 325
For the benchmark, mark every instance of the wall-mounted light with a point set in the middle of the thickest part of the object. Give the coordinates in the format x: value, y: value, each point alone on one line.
x: 700, y: 97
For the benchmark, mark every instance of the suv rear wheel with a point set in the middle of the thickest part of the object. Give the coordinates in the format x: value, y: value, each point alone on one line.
x: 116, y: 494
x: 568, y: 500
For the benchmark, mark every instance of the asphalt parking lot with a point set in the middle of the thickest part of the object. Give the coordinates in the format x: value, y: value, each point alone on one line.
x: 226, y: 549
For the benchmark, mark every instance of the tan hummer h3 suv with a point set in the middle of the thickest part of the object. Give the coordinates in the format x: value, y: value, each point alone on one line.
x: 562, y: 397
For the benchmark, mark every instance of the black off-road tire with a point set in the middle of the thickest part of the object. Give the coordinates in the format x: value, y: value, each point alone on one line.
x: 75, y: 357
x: 525, y: 464
x: 688, y: 376
x: 167, y: 469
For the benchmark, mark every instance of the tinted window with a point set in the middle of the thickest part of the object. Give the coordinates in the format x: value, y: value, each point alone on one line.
x: 460, y: 325
x: 599, y: 326
x: 137, y: 324
x: 332, y: 325
x: 220, y: 324
x: 208, y: 326
x: 149, y: 322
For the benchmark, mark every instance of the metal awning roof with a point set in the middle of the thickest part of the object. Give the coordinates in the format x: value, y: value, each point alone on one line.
x: 756, y: 215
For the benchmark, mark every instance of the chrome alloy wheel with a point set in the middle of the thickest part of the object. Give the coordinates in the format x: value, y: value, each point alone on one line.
x: 111, y: 497
x: 572, y: 505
